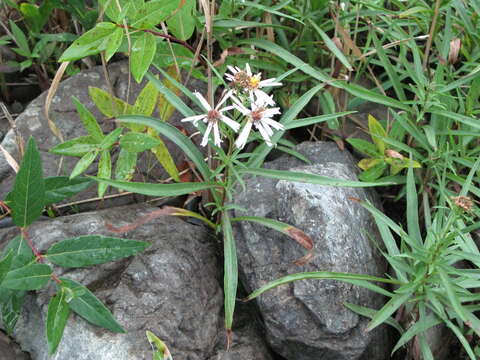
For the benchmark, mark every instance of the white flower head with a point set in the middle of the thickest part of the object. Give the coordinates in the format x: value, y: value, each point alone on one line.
x: 252, y: 84
x: 259, y: 116
x: 212, y: 117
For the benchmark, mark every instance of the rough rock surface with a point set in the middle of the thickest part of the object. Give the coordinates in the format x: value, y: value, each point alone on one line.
x: 63, y: 113
x: 306, y: 320
x: 170, y: 289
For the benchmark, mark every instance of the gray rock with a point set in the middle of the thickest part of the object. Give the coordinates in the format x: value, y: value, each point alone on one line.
x: 33, y: 122
x: 306, y: 320
x: 170, y: 289
x: 9, y: 350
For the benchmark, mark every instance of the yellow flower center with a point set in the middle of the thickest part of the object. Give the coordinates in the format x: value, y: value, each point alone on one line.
x: 253, y: 82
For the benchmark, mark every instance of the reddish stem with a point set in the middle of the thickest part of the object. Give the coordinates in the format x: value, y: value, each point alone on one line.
x: 31, y: 245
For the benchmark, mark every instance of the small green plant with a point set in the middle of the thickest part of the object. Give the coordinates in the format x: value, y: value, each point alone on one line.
x: 23, y: 268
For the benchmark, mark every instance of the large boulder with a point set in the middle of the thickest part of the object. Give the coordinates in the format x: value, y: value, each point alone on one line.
x: 306, y: 320
x: 170, y: 289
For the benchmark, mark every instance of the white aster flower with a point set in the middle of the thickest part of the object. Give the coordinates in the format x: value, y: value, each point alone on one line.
x: 259, y: 116
x: 212, y: 117
x: 252, y: 84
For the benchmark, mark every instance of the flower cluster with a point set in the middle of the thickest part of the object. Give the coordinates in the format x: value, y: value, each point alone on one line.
x: 248, y: 98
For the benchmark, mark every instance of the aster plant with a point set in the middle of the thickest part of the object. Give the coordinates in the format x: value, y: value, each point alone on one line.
x: 240, y: 131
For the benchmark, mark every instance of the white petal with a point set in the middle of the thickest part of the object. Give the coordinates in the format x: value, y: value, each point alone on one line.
x: 243, y: 137
x: 232, y: 124
x: 264, y: 133
x: 232, y: 69
x: 271, y: 112
x: 248, y: 70
x: 194, y: 118
x: 216, y: 134
x: 224, y: 98
x: 266, y: 127
x: 270, y: 82
x: 264, y: 98
x: 275, y: 124
x: 202, y: 100
x: 205, y: 136
x: 226, y: 108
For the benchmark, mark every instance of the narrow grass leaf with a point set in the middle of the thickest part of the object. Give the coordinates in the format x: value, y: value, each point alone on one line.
x: 413, y: 223
x: 230, y: 271
x: 370, y: 313
x: 316, y: 119
x: 389, y: 308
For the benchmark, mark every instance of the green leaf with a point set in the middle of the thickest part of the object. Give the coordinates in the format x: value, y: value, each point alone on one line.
x: 31, y: 15
x: 111, y: 138
x: 57, y: 316
x: 159, y: 189
x: 104, y: 171
x: 113, y: 43
x: 331, y: 46
x: 370, y: 313
x: 90, y: 308
x: 413, y: 224
x: 154, y: 12
x: 76, y: 147
x: 310, y: 178
x: 89, y: 121
x: 109, y: 105
x: 175, y: 135
x: 125, y: 165
x: 5, y: 264
x: 20, y: 39
x: 92, y: 249
x: 146, y: 100
x: 418, y: 327
x: 29, y: 277
x: 364, y: 147
x: 92, y: 42
x: 11, y: 307
x: 83, y: 163
x: 143, y: 51
x: 230, y: 270
x: 163, y: 156
x: 58, y: 188
x: 160, y: 351
x: 28, y: 192
x: 373, y: 172
x: 182, y: 23
x: 138, y: 142
x: 357, y: 279
x: 22, y: 254
x: 377, y: 131
x: 316, y: 119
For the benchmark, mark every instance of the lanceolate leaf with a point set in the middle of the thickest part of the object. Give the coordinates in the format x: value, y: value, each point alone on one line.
x: 57, y: 316
x: 138, y: 142
x: 92, y: 249
x: 11, y: 306
x: 76, y: 147
x: 5, y: 264
x: 104, y: 170
x: 125, y: 165
x: 58, y: 188
x: 22, y: 254
x: 30, y: 277
x: 230, y: 272
x: 90, y: 308
x: 163, y: 156
x: 83, y: 163
x: 88, y: 120
x: 159, y: 189
x: 108, y: 105
x: 143, y: 51
x: 28, y: 194
x: 113, y: 43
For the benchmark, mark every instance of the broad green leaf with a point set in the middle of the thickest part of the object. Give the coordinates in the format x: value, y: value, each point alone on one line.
x: 31, y: 15
x: 29, y: 277
x: 143, y: 51
x: 76, y: 147
x: 22, y: 254
x: 230, y: 279
x: 113, y: 43
x: 357, y: 279
x: 154, y: 12
x: 92, y: 42
x: 20, y: 39
x: 159, y: 189
x: 58, y: 188
x: 90, y: 308
x: 125, y: 165
x: 111, y: 138
x: 28, y: 194
x: 310, y: 178
x: 89, y: 121
x: 104, y: 171
x: 83, y: 163
x: 175, y: 135
x: 182, y: 23
x: 377, y: 131
x: 5, y: 264
x: 109, y: 105
x: 390, y: 307
x: 138, y: 142
x: 92, y: 249
x: 364, y: 147
x: 146, y: 100
x: 11, y: 307
x: 57, y: 316
x: 164, y: 158
x: 160, y: 351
